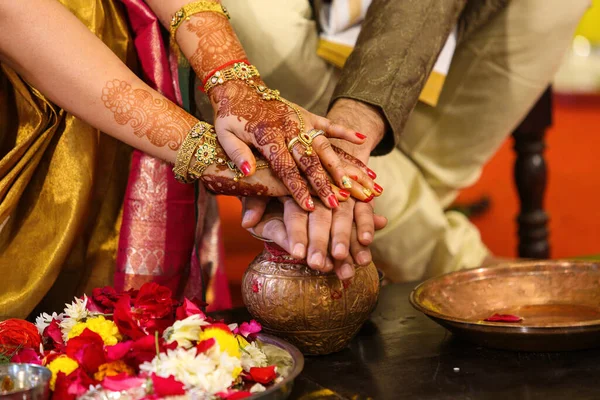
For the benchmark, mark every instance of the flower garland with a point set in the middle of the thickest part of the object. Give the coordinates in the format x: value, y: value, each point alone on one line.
x: 143, y: 344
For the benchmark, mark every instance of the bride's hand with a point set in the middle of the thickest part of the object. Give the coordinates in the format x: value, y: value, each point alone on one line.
x: 245, y: 117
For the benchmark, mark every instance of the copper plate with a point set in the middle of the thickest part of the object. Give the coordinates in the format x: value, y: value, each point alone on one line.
x: 559, y: 302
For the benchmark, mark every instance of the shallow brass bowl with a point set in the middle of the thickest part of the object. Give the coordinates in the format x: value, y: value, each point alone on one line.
x: 559, y: 302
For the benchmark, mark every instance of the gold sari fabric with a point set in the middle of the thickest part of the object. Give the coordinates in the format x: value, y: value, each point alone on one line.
x: 61, y: 186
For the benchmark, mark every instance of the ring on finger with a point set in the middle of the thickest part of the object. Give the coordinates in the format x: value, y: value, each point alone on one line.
x: 313, y: 133
x: 305, y: 140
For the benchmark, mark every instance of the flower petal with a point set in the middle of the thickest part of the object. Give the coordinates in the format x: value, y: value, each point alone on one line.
x: 504, y: 318
x: 164, y: 387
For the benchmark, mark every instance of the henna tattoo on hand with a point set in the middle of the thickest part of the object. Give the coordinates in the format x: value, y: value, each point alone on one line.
x: 349, y: 158
x: 228, y: 186
x: 217, y: 43
x: 157, y: 118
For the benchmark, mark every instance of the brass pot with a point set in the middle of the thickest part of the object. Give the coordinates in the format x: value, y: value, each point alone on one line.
x: 314, y: 311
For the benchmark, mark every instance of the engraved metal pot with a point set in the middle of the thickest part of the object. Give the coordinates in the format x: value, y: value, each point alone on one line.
x: 316, y: 312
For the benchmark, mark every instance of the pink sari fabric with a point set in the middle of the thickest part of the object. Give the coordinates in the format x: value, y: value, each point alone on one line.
x: 160, y: 240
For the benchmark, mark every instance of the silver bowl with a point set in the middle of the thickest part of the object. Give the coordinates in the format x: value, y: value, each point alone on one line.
x: 283, y: 389
x: 29, y: 381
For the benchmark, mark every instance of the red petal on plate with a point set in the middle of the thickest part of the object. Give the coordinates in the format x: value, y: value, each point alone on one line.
x: 504, y: 318
x: 263, y: 375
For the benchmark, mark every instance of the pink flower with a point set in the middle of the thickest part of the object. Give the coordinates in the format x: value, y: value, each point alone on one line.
x: 27, y: 356
x: 53, y: 335
x: 188, y: 308
x: 68, y: 387
x: 120, y: 382
x: 248, y: 328
x: 164, y: 387
x: 118, y: 351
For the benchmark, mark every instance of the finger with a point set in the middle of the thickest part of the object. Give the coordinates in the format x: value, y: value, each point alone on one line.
x: 328, y: 265
x: 363, y: 218
x: 332, y: 163
x: 338, y: 131
x: 238, y: 151
x: 253, y: 209
x: 379, y: 221
x: 319, y: 224
x: 353, y: 160
x: 313, y: 171
x: 273, y: 229
x: 365, y: 181
x: 344, y: 269
x: 296, y: 224
x: 283, y: 165
x: 360, y: 253
x: 341, y: 227
x: 361, y: 193
x: 341, y: 194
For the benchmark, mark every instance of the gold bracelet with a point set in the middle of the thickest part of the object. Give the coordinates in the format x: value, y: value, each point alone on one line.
x: 239, y: 71
x: 245, y: 73
x: 187, y: 149
x: 184, y: 14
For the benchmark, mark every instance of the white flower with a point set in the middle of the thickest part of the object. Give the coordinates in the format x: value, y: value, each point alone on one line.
x: 253, y: 356
x: 257, y: 388
x: 74, y: 312
x: 185, y: 331
x: 211, y: 372
x: 44, y: 319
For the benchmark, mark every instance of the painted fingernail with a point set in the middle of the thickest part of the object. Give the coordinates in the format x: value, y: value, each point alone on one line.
x: 360, y: 135
x: 347, y: 271
x: 367, y: 192
x: 344, y: 193
x: 354, y: 177
x: 339, y: 250
x: 346, y: 182
x: 245, y: 167
x: 333, y: 202
x: 368, y: 199
x: 310, y: 204
x: 363, y: 257
x: 298, y: 250
x: 371, y: 173
x: 316, y: 260
x: 377, y: 188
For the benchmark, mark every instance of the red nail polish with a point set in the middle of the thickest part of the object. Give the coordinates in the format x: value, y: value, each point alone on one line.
x: 371, y: 174
x: 309, y: 204
x: 368, y: 199
x: 246, y: 168
x: 344, y: 193
x: 377, y: 188
x: 354, y: 177
x: 333, y: 202
x: 360, y: 135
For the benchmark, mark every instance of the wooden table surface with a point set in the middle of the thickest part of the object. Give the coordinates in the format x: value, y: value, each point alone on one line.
x: 401, y: 354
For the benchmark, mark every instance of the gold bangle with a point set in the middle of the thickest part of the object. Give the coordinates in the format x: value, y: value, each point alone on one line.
x: 184, y: 14
x: 186, y: 151
x: 239, y: 71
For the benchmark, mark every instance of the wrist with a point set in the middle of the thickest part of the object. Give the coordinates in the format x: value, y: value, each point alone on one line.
x: 362, y: 117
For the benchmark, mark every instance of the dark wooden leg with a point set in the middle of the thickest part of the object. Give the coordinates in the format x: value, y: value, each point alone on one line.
x: 530, y: 178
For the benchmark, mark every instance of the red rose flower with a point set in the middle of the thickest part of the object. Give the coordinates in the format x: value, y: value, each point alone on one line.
x: 68, y: 387
x: 164, y: 387
x: 87, y: 349
x: 18, y: 332
x: 124, y: 320
x: 188, y: 308
x: 105, y: 298
x: 53, y: 335
x: 263, y: 375
x: 153, y: 302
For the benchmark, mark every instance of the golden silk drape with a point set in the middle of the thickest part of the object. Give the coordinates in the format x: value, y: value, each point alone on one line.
x: 61, y: 186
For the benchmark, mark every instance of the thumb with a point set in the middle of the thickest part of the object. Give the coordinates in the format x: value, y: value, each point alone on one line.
x: 238, y: 152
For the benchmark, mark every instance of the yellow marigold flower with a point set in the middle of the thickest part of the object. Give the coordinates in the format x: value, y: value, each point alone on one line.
x: 112, y: 369
x: 222, y: 335
x: 61, y: 364
x: 107, y: 329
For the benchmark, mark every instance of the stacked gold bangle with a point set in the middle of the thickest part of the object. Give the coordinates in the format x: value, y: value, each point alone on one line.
x: 201, y: 149
x: 184, y: 14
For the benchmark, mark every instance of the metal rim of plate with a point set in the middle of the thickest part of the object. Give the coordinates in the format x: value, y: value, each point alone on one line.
x: 294, y: 372
x: 513, y: 336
